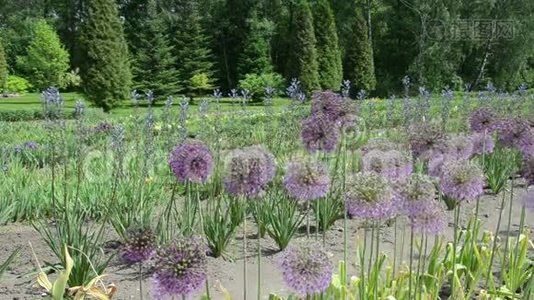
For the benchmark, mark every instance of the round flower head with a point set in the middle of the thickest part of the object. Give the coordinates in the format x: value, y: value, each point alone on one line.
x: 457, y: 147
x: 482, y: 119
x: 307, y: 180
x: 369, y: 196
x: 392, y: 164
x: 248, y: 171
x: 306, y: 269
x: 528, y: 200
x: 516, y: 133
x: 327, y: 104
x: 140, y: 246
x: 319, y: 134
x: 430, y: 219
x: 482, y: 143
x: 270, y: 162
x: 401, y: 165
x: 103, y: 127
x: 462, y: 180
x: 415, y: 193
x: 180, y: 269
x: 31, y: 145
x: 435, y: 163
x: 424, y: 138
x: 334, y: 107
x: 527, y: 170
x: 191, y: 161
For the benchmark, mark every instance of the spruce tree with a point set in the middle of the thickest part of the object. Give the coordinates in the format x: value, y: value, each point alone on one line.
x: 302, y: 55
x: 359, y: 62
x: 256, y: 56
x: 154, y: 64
x: 106, y: 71
x: 328, y: 52
x: 3, y: 68
x: 191, y: 45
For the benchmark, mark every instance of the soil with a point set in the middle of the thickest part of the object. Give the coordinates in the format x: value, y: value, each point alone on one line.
x: 19, y: 280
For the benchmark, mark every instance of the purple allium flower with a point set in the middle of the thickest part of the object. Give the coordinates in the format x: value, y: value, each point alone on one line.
x: 31, y: 145
x: 482, y: 119
x: 482, y: 143
x: 180, y: 269
x: 456, y: 147
x: 516, y: 133
x: 333, y: 107
x: 140, y: 246
x: 307, y: 180
x: 462, y: 180
x: 424, y: 137
x: 103, y: 127
x: 392, y: 165
x: 191, y: 161
x: 430, y: 219
x: 369, y: 196
x: 319, y: 134
x: 415, y: 193
x: 249, y: 170
x: 270, y: 161
x: 527, y: 170
x: 435, y: 163
x: 306, y: 269
x: 528, y: 200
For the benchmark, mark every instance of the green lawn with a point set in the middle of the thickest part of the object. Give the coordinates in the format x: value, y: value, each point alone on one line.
x: 32, y: 101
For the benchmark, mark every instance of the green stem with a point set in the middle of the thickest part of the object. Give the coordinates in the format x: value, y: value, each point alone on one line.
x: 454, y: 245
x: 245, y: 253
x: 410, y: 279
x: 509, y: 221
x: 259, y: 264
x: 141, y: 280
x: 371, y: 251
x: 376, y: 259
x: 495, y: 237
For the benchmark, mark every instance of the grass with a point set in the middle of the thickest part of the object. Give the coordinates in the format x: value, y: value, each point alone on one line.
x: 32, y: 101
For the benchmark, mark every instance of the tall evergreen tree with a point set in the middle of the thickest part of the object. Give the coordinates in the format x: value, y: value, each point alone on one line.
x: 3, y: 67
x: 328, y: 52
x: 256, y: 55
x: 230, y: 21
x: 302, y: 55
x: 106, y: 72
x: 359, y: 62
x: 154, y: 64
x: 191, y: 44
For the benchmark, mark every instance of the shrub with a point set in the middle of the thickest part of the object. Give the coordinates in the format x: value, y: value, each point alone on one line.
x: 46, y: 61
x: 200, y: 83
x: 16, y: 84
x: 256, y: 83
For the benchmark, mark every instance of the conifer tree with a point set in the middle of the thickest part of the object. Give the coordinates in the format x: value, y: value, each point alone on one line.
x: 359, y: 62
x: 106, y: 71
x: 191, y: 45
x: 302, y: 55
x: 46, y: 61
x: 328, y: 53
x: 256, y: 55
x: 154, y: 64
x: 3, y: 68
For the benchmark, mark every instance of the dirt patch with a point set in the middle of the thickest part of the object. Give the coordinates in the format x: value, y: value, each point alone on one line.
x: 19, y: 281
